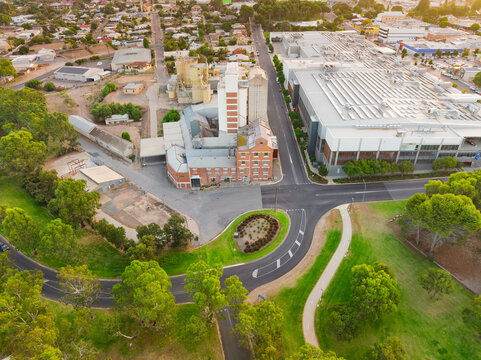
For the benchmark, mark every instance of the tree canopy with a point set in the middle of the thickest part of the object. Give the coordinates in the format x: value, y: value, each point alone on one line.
x: 20, y: 154
x: 81, y: 288
x: 73, y: 204
x: 144, y: 294
x: 6, y: 67
x: 436, y: 282
x: 202, y: 282
x: 374, y: 291
x: 392, y: 349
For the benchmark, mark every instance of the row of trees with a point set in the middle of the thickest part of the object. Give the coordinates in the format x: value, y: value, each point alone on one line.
x: 101, y: 111
x: 153, y: 238
x: 364, y: 167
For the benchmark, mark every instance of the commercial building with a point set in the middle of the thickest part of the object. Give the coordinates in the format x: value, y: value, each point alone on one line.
x: 101, y: 178
x: 258, y: 85
x: 430, y: 48
x: 131, y: 59
x: 357, y: 103
x: 390, y: 16
x: 443, y: 34
x: 391, y: 34
x: 78, y: 73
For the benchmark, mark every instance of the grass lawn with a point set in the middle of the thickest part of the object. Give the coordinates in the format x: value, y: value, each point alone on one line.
x: 224, y: 249
x: 429, y: 330
x: 102, y: 258
x: 14, y: 195
x: 293, y: 299
x: 173, y: 343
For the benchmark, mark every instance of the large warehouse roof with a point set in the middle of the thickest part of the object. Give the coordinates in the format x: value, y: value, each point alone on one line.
x: 77, y: 70
x: 131, y: 55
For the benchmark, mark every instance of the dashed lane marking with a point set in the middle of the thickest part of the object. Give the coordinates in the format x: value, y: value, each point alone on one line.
x: 298, y: 243
x: 301, y: 232
x: 278, y: 263
x: 290, y: 253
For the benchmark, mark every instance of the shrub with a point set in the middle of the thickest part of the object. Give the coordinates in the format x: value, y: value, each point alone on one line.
x: 49, y: 86
x: 172, y: 116
x: 68, y: 63
x: 126, y: 136
x: 109, y: 87
x: 114, y: 235
x: 33, y: 84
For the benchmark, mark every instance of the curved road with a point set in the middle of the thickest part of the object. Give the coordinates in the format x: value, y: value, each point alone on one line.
x: 305, y: 203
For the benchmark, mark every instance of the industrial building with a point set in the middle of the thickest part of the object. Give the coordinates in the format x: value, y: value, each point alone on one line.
x: 78, y: 73
x: 221, y: 142
x: 110, y: 142
x: 131, y: 60
x: 357, y: 102
x: 191, y: 83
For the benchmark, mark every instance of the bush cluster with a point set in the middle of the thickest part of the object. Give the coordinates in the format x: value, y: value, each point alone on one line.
x: 100, y: 112
x: 259, y: 243
x: 114, y: 235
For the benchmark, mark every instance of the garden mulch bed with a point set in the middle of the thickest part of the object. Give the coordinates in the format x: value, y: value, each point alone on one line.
x: 256, y: 232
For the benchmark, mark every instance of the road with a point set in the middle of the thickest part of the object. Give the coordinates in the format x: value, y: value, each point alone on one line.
x: 304, y: 202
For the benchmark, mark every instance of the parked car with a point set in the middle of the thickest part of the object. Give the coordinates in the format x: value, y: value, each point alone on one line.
x: 4, y: 247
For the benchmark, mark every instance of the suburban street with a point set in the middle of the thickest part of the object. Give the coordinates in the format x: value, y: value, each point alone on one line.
x: 213, y: 210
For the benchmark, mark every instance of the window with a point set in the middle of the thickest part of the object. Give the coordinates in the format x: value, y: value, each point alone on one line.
x: 429, y: 147
x: 256, y: 162
x: 243, y: 162
x: 208, y: 169
x: 265, y: 176
x: 256, y: 154
x: 243, y: 154
x: 449, y: 147
x: 256, y: 170
x: 226, y: 170
x: 217, y: 171
x: 266, y: 169
x: 266, y: 162
x: 266, y: 154
x: 194, y: 171
x: 232, y: 170
x: 255, y: 177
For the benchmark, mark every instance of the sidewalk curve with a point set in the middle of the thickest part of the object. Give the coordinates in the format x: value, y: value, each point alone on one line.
x: 308, y: 316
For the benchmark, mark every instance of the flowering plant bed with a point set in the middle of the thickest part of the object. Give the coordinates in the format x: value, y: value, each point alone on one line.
x: 256, y: 231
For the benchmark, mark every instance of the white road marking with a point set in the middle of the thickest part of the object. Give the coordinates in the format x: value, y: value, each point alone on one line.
x: 254, y: 273
x: 301, y: 232
x: 290, y: 253
x: 298, y: 243
x: 278, y: 263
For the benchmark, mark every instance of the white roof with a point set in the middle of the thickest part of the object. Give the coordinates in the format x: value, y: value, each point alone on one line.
x: 79, y: 123
x: 152, y: 147
x: 101, y: 174
x: 172, y: 134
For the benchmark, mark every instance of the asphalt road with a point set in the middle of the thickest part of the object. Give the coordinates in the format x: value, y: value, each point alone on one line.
x: 304, y: 202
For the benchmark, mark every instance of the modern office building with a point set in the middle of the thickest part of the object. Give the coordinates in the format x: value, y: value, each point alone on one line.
x: 357, y: 102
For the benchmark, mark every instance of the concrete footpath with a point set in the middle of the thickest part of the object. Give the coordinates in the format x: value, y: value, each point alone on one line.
x: 308, y: 316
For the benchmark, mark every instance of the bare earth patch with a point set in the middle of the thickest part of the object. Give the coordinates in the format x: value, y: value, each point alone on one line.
x: 330, y: 221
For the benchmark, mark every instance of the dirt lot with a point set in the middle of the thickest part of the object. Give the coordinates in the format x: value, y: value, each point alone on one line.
x: 99, y: 49
x: 131, y: 206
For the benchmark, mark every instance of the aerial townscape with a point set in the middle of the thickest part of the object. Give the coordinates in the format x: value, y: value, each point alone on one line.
x: 252, y: 179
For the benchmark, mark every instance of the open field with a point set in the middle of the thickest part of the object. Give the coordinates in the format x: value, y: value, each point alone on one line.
x: 224, y: 249
x: 173, y: 343
x: 429, y: 330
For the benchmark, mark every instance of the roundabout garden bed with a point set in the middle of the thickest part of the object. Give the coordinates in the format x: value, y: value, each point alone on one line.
x: 256, y: 231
